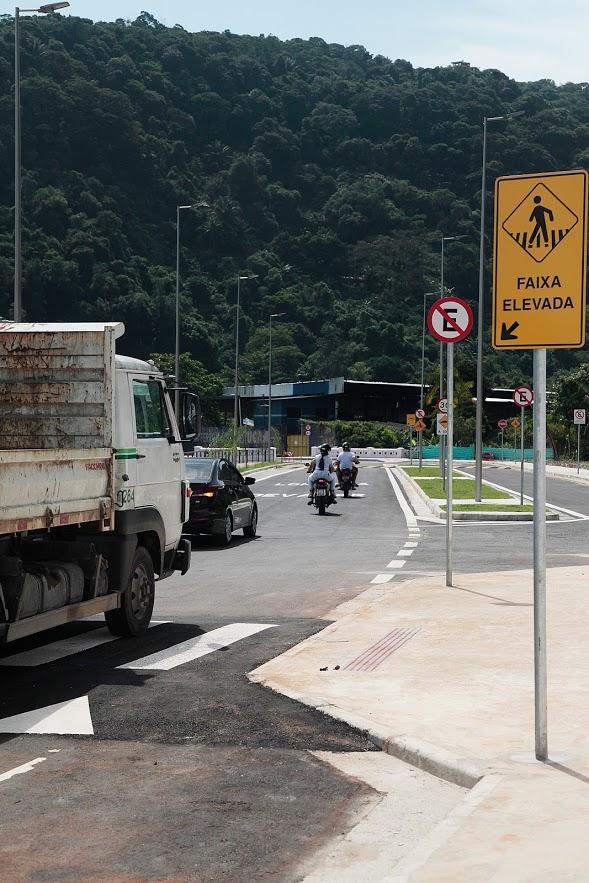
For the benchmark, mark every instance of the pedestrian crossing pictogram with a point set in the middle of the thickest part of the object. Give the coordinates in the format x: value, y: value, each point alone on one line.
x: 540, y: 222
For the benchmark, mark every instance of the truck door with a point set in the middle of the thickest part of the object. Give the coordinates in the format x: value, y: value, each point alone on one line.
x: 159, y: 455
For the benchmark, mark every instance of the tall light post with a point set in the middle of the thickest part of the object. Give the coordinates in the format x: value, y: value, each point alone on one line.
x: 479, y: 402
x: 179, y: 208
x: 443, y: 240
x: 241, y: 276
x: 425, y: 297
x: 46, y: 9
x: 272, y: 316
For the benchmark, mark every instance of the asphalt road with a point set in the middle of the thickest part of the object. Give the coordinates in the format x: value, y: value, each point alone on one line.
x: 163, y: 762
x: 191, y: 772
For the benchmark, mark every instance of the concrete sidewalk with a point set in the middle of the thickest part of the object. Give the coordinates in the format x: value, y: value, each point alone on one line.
x: 444, y: 679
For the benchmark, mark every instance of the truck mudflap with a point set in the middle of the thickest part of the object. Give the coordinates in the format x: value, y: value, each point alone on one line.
x: 181, y: 560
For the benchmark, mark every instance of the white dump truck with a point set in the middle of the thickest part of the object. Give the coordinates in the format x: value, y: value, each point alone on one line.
x: 92, y: 490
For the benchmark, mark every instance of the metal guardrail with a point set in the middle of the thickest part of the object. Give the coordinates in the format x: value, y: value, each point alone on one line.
x: 244, y: 456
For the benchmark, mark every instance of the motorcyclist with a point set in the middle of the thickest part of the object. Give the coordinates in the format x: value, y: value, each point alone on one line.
x: 347, y: 459
x: 321, y: 466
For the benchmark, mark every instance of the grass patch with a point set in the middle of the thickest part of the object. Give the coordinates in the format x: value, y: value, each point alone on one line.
x: 463, y: 489
x: 251, y: 467
x: 424, y: 472
x: 476, y: 507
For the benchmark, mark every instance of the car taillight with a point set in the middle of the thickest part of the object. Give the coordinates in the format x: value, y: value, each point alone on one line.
x: 203, y: 490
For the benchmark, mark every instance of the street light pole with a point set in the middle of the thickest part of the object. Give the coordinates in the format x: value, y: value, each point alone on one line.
x: 272, y: 316
x: 17, y: 307
x: 479, y: 401
x: 425, y: 296
x: 236, y: 393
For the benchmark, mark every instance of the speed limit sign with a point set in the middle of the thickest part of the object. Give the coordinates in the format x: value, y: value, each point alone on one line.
x: 443, y: 406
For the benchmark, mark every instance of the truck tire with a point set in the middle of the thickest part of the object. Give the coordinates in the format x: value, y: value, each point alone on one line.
x: 133, y: 616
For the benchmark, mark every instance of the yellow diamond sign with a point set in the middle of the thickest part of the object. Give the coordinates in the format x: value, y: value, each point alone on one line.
x: 540, y: 258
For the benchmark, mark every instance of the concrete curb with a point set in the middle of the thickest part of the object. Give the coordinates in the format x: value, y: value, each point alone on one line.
x: 411, y: 488
x: 427, y: 757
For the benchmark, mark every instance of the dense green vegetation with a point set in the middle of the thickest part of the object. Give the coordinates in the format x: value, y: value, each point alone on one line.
x: 329, y: 173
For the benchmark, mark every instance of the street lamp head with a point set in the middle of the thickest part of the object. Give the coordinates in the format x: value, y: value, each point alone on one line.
x: 508, y: 116
x: 452, y: 238
x: 47, y: 8
x: 249, y: 276
x: 276, y: 315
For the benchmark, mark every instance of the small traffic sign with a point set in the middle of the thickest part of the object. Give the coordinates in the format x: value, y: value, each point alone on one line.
x: 502, y: 424
x: 580, y: 417
x: 419, y: 425
x: 540, y: 259
x: 523, y: 396
x: 515, y: 423
x: 442, y: 427
x: 307, y: 432
x: 443, y: 406
x: 308, y: 427
x: 411, y: 419
x: 420, y: 413
x: 450, y: 319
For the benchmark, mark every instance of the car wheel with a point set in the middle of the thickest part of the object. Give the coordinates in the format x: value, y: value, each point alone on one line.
x: 252, y: 529
x: 225, y: 537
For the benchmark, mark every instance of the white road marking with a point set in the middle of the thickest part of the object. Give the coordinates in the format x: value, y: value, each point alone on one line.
x: 68, y: 647
x: 19, y: 770
x: 405, y: 553
x: 395, y: 563
x: 411, y: 545
x: 193, y: 649
x: 383, y: 578
x: 405, y: 508
x: 65, y: 718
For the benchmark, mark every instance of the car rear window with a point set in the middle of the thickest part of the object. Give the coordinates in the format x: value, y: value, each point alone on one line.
x: 199, y: 470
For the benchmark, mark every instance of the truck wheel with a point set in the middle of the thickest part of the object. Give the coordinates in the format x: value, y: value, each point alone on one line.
x: 133, y: 616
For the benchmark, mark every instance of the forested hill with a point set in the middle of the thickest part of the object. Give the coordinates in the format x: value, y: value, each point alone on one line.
x: 329, y: 173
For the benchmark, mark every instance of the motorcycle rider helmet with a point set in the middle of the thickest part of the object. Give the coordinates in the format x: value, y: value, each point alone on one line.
x: 346, y: 446
x: 324, y: 449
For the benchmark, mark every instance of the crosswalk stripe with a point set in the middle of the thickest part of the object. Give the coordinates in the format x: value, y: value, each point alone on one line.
x: 197, y: 647
x: 396, y: 563
x: 60, y: 649
x: 383, y: 578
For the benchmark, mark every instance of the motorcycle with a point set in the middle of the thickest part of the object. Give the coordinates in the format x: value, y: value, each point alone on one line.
x: 321, y: 495
x: 346, y: 482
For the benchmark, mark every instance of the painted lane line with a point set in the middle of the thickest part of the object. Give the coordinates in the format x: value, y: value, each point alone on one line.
x: 195, y: 648
x: 67, y: 647
x: 405, y: 553
x: 405, y: 508
x: 19, y: 770
x: 395, y: 563
x: 65, y: 718
x: 411, y: 545
x: 383, y: 578
x: 530, y: 499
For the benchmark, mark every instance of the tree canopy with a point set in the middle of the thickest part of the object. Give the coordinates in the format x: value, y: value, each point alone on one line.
x: 329, y: 173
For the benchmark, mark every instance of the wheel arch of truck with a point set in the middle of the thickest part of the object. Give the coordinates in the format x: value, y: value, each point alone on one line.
x: 147, y: 524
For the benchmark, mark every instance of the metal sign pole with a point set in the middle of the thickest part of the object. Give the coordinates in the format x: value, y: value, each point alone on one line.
x: 502, y: 445
x: 540, y: 690
x: 450, y: 449
x: 514, y: 443
x: 578, y: 448
x: 521, y: 483
x: 420, y: 442
x: 411, y: 445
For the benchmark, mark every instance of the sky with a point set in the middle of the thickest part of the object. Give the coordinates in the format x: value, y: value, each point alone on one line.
x: 526, y: 39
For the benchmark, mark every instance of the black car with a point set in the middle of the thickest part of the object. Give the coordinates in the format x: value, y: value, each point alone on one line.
x: 221, y: 500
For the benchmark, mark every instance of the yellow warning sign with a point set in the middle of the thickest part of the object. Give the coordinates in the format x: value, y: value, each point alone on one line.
x: 515, y: 423
x: 443, y: 420
x: 419, y: 425
x: 540, y: 259
x: 411, y: 419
